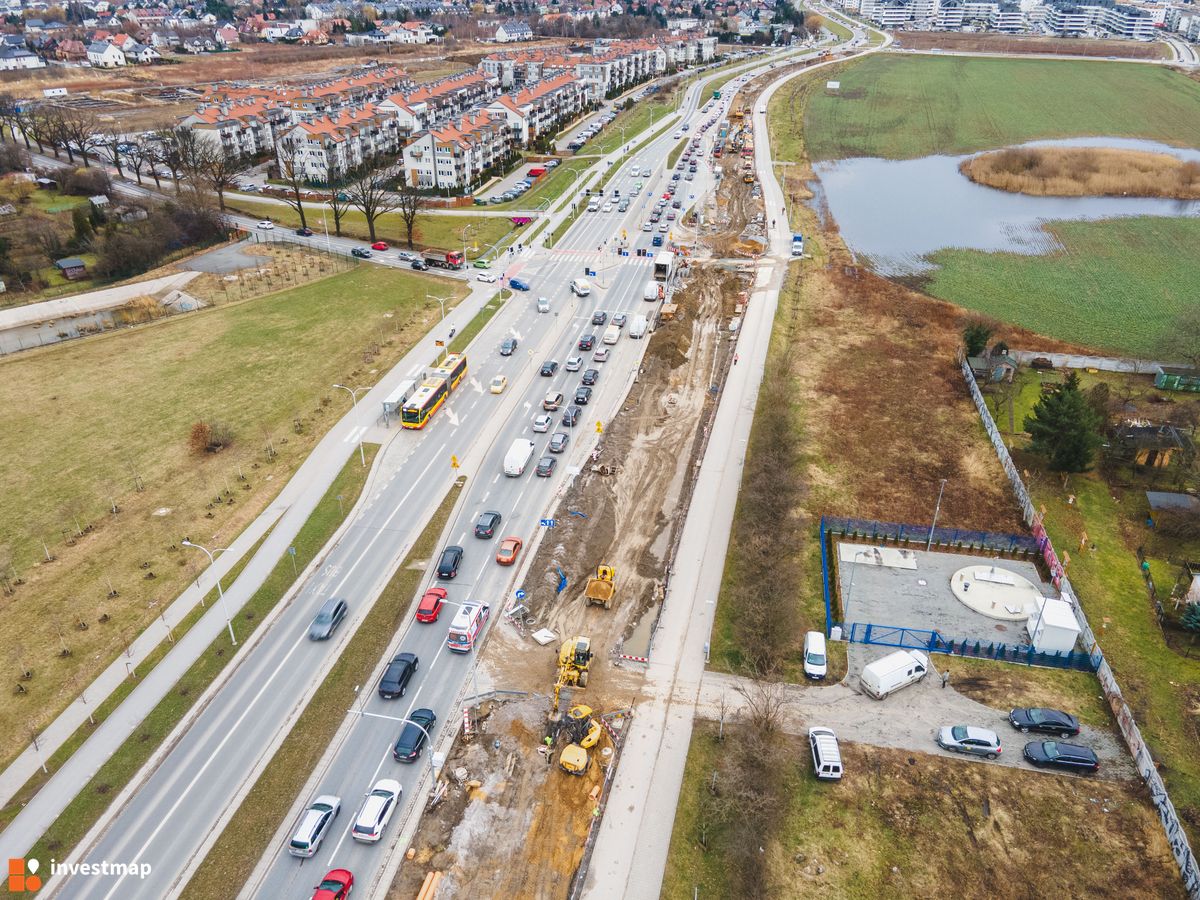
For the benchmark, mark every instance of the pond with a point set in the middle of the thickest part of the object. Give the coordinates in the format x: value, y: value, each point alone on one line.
x: 894, y: 213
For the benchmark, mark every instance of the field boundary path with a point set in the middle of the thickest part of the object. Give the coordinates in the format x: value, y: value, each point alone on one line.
x: 92, y: 301
x: 1103, y: 363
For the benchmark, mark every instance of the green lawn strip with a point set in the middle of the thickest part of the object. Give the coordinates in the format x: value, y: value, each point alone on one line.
x: 233, y: 857
x: 113, y: 700
x: 442, y: 232
x: 1003, y: 686
x: 673, y: 156
x: 549, y: 187
x: 835, y: 27
x: 460, y: 341
x: 88, y: 806
x: 1116, y: 284
x: 906, y: 106
x: 641, y: 116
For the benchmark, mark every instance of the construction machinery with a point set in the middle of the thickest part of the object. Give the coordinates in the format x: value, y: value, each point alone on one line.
x: 574, y: 657
x: 600, y: 589
x: 584, y: 733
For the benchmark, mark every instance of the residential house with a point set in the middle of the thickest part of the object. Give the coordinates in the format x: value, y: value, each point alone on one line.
x: 12, y: 59
x: 72, y: 268
x: 71, y: 51
x: 541, y: 108
x: 141, y: 54
x: 105, y: 56
x: 512, y: 31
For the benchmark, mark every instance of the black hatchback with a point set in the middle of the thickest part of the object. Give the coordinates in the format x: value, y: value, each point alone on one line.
x: 599, y: 317
x: 418, y: 726
x: 1073, y: 757
x: 397, y: 675
x: 590, y: 376
x: 583, y: 395
x: 1044, y: 721
x: 448, y: 565
x: 487, y: 523
x: 587, y: 342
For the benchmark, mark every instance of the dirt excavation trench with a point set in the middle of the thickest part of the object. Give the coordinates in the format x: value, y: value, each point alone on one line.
x: 508, y: 821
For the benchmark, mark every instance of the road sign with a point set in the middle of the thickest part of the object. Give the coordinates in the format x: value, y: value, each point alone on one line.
x: 599, y: 428
x: 292, y: 550
x: 520, y: 594
x: 454, y: 462
x: 547, y: 523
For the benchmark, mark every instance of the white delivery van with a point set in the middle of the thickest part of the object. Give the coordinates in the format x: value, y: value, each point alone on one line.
x: 581, y: 286
x: 896, y: 670
x: 651, y: 291
x: 518, y: 457
x: 827, y: 757
x: 816, y: 665
x: 593, y: 204
x: 612, y: 334
x: 637, y: 327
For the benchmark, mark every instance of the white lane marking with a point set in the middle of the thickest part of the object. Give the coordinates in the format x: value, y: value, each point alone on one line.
x: 355, y: 434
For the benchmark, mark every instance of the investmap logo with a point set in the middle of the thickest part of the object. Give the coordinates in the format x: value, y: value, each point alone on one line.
x: 23, y: 877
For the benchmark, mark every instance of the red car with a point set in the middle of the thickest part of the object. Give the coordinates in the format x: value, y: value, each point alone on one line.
x: 509, y: 548
x: 379, y: 245
x: 335, y: 886
x: 431, y: 605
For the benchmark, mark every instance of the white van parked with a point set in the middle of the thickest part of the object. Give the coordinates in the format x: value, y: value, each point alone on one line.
x: 612, y: 334
x: 816, y: 664
x: 581, y: 286
x: 896, y: 670
x: 637, y: 327
x: 827, y: 757
x: 650, y: 293
x: 518, y: 457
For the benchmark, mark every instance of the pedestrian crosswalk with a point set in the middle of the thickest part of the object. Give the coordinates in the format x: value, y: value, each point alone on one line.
x: 607, y: 256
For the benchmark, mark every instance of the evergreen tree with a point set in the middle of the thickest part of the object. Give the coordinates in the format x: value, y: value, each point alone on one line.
x: 1190, y: 619
x: 976, y: 335
x: 1065, y: 428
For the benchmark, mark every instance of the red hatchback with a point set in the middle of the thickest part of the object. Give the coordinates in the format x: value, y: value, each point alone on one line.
x: 335, y: 886
x: 379, y: 245
x: 431, y: 605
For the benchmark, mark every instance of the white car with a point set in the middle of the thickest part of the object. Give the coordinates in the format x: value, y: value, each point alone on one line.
x: 266, y: 225
x: 574, y: 363
x: 542, y: 423
x: 376, y: 811
x: 647, y: 226
x: 601, y: 355
x: 486, y: 276
x: 499, y: 383
x: 607, y: 207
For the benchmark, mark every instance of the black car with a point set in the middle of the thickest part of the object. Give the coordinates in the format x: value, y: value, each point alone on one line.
x: 571, y: 416
x: 361, y: 253
x: 507, y: 346
x: 599, y: 317
x: 1044, y: 721
x: 448, y: 566
x: 412, y: 738
x: 587, y: 342
x: 545, y: 467
x: 329, y: 617
x: 304, y: 232
x: 583, y: 395
x: 397, y: 675
x: 487, y: 523
x: 420, y: 265
x: 549, y: 367
x: 1072, y: 757
x: 590, y: 376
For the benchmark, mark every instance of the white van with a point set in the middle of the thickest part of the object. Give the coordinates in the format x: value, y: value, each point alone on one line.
x: 543, y: 304
x: 896, y: 670
x: 827, y: 757
x: 518, y: 457
x: 650, y: 293
x: 637, y: 327
x: 593, y: 204
x: 581, y: 286
x: 816, y: 664
x: 468, y: 623
x: 612, y: 334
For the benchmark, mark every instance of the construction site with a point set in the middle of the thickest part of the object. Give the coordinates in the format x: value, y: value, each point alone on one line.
x: 524, y: 788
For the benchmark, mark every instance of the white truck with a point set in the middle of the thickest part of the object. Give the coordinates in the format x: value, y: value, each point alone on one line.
x: 518, y: 457
x: 893, y: 672
x: 664, y: 265
x: 637, y: 327
x: 612, y: 334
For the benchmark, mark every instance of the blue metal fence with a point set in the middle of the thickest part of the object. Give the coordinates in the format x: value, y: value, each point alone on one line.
x: 896, y: 532
x: 933, y: 642
x: 825, y: 579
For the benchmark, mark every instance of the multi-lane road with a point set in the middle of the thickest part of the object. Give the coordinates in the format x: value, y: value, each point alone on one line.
x: 181, y: 807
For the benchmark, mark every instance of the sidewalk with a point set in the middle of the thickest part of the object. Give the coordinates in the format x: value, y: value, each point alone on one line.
x: 92, y: 301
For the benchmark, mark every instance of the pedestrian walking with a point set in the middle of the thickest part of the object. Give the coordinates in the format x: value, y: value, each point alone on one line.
x: 945, y: 678
x: 735, y: 359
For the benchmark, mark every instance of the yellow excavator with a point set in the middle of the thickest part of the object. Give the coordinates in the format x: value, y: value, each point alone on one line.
x: 600, y: 589
x: 585, y: 733
x: 574, y: 657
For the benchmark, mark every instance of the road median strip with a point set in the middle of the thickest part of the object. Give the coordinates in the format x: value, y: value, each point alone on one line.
x: 244, y: 841
x: 91, y: 803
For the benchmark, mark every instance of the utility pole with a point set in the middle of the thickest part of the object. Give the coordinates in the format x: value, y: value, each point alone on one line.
x: 936, y: 510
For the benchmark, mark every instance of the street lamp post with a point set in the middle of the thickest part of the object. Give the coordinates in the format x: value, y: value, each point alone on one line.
x: 937, y: 509
x: 465, y: 229
x: 353, y: 392
x: 220, y: 593
x: 853, y: 572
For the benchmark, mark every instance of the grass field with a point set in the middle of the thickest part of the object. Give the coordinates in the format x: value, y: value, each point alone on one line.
x: 118, y: 409
x: 901, y: 824
x: 903, y: 107
x: 1116, y: 285
x: 445, y: 232
x: 644, y: 114
x: 550, y: 186
x: 111, y: 777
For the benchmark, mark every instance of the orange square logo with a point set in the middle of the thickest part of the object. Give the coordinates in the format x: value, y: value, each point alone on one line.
x: 21, y: 876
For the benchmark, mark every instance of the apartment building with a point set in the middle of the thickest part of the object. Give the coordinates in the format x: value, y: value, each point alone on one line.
x: 456, y: 155
x: 541, y: 108
x: 326, y: 146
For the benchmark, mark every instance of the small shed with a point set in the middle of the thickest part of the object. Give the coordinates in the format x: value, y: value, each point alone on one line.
x: 99, y: 201
x: 72, y: 268
x: 1170, y: 378
x: 46, y: 184
x: 1146, y: 444
x: 1052, y: 627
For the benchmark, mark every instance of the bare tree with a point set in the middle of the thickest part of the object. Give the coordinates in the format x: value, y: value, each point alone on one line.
x: 139, y: 154
x: 371, y: 194
x: 112, y: 143
x: 165, y: 148
x: 45, y: 124
x: 291, y: 173
x: 1182, y: 340
x: 10, y: 117
x: 765, y: 701
x: 221, y: 171
x: 410, y: 205
x: 79, y: 129
x: 339, y: 201
x: 191, y: 154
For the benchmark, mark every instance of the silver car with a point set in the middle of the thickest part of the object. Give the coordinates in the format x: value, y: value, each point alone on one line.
x: 970, y: 739
x: 329, y: 617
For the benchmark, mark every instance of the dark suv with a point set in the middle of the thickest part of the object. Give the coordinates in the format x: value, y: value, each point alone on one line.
x: 448, y: 566
x: 587, y: 342
x: 599, y: 317
x: 397, y: 675
x: 1044, y: 721
x: 487, y: 523
x: 1072, y: 757
x: 412, y: 738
